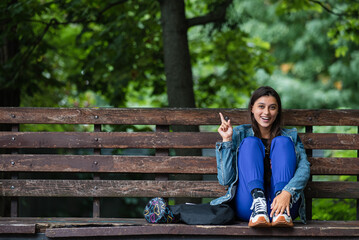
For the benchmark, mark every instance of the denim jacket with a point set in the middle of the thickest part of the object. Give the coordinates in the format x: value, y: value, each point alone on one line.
x: 227, y: 167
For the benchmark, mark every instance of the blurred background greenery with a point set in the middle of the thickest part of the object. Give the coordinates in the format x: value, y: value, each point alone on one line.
x: 130, y: 53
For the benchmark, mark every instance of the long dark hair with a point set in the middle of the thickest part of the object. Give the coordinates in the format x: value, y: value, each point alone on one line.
x: 277, y: 124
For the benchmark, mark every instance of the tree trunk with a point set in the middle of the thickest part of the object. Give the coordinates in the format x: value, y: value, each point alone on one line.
x: 176, y: 54
x: 9, y: 97
x: 178, y: 72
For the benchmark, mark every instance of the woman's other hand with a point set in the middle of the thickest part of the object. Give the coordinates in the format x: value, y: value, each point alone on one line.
x: 225, y: 130
x: 281, y: 203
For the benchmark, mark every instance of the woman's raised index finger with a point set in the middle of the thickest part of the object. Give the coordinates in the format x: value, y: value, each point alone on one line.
x: 222, y: 118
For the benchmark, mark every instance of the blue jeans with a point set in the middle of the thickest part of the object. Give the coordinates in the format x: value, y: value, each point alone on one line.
x: 251, y: 154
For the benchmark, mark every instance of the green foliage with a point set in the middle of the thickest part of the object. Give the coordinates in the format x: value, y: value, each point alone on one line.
x: 225, y: 66
x: 87, y: 46
x: 307, y: 66
x: 334, y: 209
x: 24, y: 48
x: 114, y: 48
x: 346, y: 27
x: 120, y: 53
x: 286, y: 6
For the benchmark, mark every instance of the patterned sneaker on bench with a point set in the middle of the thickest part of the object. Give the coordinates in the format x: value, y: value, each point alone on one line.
x: 157, y: 211
x: 282, y: 220
x: 259, y: 216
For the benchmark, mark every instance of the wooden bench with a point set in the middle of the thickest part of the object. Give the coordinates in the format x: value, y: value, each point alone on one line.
x: 155, y: 171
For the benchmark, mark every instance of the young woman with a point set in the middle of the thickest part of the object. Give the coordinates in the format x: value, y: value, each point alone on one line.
x: 264, y: 165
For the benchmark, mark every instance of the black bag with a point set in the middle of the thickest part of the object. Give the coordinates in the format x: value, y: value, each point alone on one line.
x: 203, y: 214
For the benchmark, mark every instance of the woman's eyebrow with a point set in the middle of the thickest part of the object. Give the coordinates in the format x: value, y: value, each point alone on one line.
x: 275, y: 104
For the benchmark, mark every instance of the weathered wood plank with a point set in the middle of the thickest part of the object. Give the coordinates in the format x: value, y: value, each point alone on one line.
x: 149, y: 188
x: 17, y: 228
x: 154, y: 140
x: 43, y: 223
x: 108, y: 163
x: 321, y: 117
x: 330, y: 229
x: 128, y: 116
x: 169, y: 116
x: 332, y: 189
x: 109, y: 188
x: 108, y: 140
x: 330, y: 141
x: 334, y: 166
x: 148, y: 164
x: 100, y: 225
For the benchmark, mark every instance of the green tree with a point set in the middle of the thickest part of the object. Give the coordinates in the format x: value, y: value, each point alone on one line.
x: 308, y: 66
x: 115, y: 49
x: 346, y: 27
x: 23, y: 71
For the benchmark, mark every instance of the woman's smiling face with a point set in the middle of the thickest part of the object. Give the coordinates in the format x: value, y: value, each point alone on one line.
x: 265, y: 111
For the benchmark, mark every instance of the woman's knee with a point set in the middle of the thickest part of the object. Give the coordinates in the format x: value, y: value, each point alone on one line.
x: 283, y: 144
x: 251, y: 147
x: 282, y: 141
x: 283, y: 152
x: 251, y: 142
x: 251, y: 152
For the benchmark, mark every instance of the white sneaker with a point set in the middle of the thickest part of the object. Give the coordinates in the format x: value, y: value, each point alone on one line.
x: 259, y: 216
x: 282, y: 220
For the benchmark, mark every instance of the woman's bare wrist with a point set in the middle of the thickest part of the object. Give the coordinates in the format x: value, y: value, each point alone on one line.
x: 226, y: 139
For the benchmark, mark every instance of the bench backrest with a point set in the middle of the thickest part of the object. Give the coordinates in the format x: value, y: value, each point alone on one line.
x: 55, y: 152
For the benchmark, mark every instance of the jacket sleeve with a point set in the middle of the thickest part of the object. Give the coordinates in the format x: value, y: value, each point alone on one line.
x: 301, y: 176
x: 226, y: 157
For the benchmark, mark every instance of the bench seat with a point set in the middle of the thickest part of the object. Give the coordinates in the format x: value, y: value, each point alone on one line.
x: 121, y: 227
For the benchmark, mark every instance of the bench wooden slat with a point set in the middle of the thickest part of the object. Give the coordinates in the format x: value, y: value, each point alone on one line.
x: 107, y: 227
x: 17, y: 228
x: 321, y: 117
x: 338, y: 141
x: 169, y: 116
x: 148, y: 164
x: 333, y: 189
x: 154, y: 140
x: 109, y: 188
x: 108, y: 140
x: 107, y: 163
x: 313, y: 229
x: 334, y: 166
x: 127, y: 116
x: 149, y: 188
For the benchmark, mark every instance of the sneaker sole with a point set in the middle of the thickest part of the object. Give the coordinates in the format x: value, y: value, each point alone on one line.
x: 281, y: 222
x: 261, y: 222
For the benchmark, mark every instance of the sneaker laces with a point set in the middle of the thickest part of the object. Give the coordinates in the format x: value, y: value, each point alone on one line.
x: 259, y: 205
